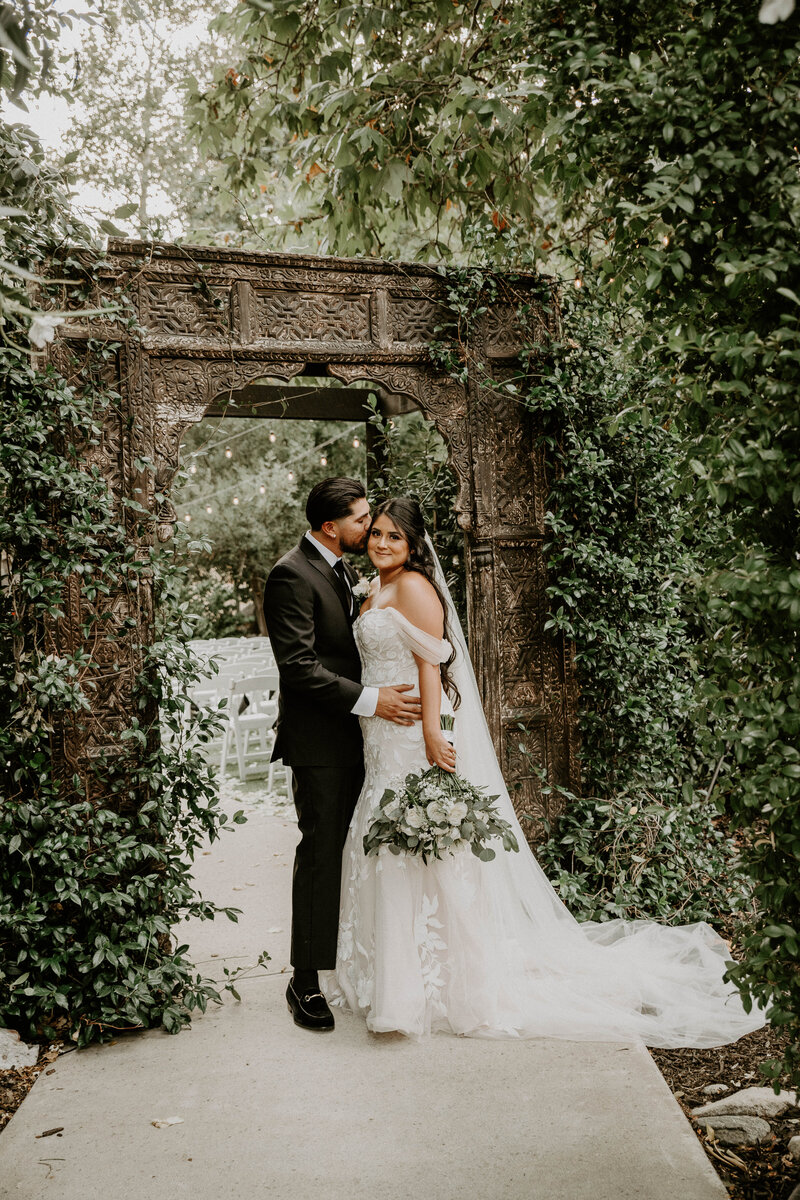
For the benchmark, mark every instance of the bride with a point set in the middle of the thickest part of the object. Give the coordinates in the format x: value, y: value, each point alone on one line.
x: 487, y: 949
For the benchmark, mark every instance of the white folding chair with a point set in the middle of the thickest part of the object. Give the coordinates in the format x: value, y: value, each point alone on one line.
x: 251, y: 729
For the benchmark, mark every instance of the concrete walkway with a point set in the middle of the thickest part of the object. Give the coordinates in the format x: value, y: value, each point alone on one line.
x: 271, y: 1110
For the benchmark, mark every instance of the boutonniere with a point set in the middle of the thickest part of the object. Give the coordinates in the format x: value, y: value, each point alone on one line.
x: 362, y: 589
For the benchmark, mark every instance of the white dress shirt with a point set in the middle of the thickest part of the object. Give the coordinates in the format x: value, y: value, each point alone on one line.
x: 367, y: 702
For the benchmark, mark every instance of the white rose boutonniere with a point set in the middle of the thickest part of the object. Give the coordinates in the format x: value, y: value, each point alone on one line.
x: 362, y: 589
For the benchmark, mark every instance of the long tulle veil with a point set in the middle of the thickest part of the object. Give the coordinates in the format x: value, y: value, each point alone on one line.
x: 605, y: 980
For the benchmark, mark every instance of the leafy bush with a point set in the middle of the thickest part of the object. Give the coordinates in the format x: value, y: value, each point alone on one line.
x: 94, y: 874
x: 689, y: 175
x: 640, y: 841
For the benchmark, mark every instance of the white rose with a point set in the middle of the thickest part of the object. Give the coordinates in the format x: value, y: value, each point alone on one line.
x: 362, y: 589
x: 457, y: 812
x: 43, y: 329
x: 414, y: 817
x: 435, y: 812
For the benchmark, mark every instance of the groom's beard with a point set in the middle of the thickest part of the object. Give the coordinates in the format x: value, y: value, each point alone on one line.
x: 359, y: 547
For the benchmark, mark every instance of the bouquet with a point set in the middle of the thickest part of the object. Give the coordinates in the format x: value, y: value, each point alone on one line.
x: 437, y: 813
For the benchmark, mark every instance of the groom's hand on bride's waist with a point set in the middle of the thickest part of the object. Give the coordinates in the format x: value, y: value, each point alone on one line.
x: 395, y: 705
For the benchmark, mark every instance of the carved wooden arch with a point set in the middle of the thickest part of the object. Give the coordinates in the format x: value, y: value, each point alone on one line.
x: 210, y: 322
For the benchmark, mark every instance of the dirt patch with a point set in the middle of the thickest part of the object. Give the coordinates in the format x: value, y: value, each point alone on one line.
x: 16, y: 1083
x: 763, y: 1172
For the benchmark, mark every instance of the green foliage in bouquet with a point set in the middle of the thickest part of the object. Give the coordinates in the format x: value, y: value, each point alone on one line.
x: 437, y: 813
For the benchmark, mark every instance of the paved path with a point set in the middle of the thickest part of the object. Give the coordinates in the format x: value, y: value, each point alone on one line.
x: 269, y: 1110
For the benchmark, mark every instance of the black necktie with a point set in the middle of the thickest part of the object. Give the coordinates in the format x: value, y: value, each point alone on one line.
x: 340, y: 571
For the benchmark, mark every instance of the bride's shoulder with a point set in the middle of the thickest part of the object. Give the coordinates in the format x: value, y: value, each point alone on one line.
x: 417, y: 600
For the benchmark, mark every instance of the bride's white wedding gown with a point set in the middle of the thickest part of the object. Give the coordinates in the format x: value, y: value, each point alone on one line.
x: 488, y: 949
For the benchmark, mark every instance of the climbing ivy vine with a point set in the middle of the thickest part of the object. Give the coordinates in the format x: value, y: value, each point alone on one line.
x: 93, y: 882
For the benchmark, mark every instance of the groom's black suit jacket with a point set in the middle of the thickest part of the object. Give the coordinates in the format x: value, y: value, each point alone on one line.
x: 310, y: 630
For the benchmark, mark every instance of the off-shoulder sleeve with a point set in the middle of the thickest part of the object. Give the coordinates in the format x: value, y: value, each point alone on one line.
x: 424, y: 645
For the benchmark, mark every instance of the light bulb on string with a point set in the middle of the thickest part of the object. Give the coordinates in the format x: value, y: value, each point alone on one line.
x: 291, y: 475
x: 235, y: 499
x: 273, y: 437
x: 356, y: 443
x: 187, y: 517
x: 578, y: 283
x: 665, y: 239
x: 262, y: 489
x: 193, y: 469
x: 228, y: 452
x: 209, y: 508
x: 323, y: 462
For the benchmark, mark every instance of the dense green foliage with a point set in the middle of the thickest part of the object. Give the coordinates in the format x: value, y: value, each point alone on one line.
x: 93, y: 875
x: 89, y: 886
x: 684, y: 155
x: 640, y: 840
x: 378, y: 116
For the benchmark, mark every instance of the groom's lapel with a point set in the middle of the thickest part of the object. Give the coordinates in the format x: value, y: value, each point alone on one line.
x: 327, y: 572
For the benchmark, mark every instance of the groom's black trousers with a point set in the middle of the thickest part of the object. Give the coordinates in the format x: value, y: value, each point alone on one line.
x: 324, y: 798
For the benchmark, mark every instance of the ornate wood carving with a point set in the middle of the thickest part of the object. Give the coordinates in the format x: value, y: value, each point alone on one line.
x: 285, y: 316
x: 416, y: 319
x: 181, y: 308
x: 245, y: 317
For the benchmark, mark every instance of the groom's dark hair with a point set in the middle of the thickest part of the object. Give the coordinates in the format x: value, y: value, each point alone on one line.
x: 332, y: 499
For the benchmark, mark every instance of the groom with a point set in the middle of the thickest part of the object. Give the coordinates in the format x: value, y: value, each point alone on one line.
x: 310, y: 608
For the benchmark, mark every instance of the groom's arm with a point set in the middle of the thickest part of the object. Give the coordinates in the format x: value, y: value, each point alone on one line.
x: 289, y: 611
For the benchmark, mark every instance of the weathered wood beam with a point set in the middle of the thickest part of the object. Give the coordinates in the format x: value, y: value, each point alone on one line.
x: 312, y: 403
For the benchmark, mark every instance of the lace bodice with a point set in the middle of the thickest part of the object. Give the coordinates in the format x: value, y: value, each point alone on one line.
x: 385, y: 638
x: 385, y: 658
x: 387, y: 642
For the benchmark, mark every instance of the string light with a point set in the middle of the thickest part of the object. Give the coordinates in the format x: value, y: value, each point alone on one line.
x: 665, y: 239
x: 356, y: 443
x: 291, y: 474
x: 187, y: 516
x: 578, y: 283
x: 193, y: 469
x: 273, y: 437
x: 262, y: 489
x: 209, y: 508
x: 228, y: 453
x: 323, y: 462
x: 235, y: 499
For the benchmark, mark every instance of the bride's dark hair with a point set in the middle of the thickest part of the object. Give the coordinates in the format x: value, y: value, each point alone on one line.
x: 407, y: 516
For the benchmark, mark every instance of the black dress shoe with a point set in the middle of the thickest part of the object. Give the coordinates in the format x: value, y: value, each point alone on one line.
x: 309, y: 1009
